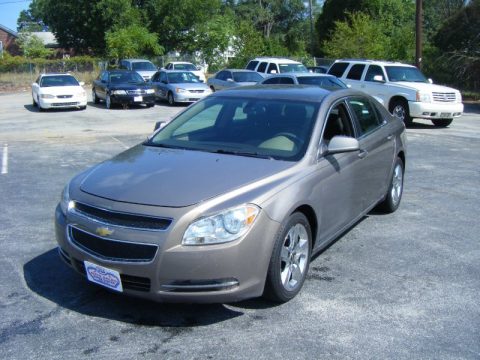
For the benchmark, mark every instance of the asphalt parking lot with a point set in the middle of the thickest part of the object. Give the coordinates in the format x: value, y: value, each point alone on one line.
x: 400, y: 286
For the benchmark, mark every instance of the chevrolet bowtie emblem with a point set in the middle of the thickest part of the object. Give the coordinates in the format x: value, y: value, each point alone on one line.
x: 104, y: 231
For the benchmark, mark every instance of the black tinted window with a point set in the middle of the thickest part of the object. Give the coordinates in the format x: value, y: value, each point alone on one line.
x: 262, y: 67
x: 365, y: 114
x: 272, y: 68
x: 338, y: 69
x: 356, y: 72
x: 374, y: 70
x: 286, y: 80
x: 252, y: 64
x: 274, y: 80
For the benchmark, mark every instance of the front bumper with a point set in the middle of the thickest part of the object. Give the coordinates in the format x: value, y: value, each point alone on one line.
x: 132, y: 99
x: 63, y: 103
x: 435, y: 110
x: 205, y: 274
x: 190, y: 96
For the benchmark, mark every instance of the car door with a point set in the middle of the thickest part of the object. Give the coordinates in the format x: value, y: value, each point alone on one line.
x: 163, y: 85
x: 101, y: 85
x: 375, y: 87
x: 220, y: 80
x: 354, y: 76
x: 377, y: 147
x: 336, y: 188
x: 155, y: 82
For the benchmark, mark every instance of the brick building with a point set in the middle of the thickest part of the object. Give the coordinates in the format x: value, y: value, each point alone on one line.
x: 8, y: 39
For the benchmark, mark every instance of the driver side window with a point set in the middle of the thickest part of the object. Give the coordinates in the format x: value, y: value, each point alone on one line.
x: 338, y: 123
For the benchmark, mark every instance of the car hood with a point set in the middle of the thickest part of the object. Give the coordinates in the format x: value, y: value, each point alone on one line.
x: 427, y: 87
x: 174, y: 177
x: 129, y: 86
x: 245, y: 83
x: 190, y: 86
x: 148, y: 73
x: 61, y: 90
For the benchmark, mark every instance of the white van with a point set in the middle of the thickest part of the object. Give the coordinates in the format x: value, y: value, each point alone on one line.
x: 273, y: 65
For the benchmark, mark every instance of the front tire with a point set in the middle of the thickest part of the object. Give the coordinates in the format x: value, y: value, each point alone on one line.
x: 170, y: 99
x: 395, y: 189
x: 108, y: 102
x: 95, y: 98
x: 399, y: 109
x: 442, y: 122
x: 290, y: 259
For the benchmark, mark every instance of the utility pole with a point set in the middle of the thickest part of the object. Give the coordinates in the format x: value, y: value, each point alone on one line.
x: 312, y: 45
x: 418, y: 34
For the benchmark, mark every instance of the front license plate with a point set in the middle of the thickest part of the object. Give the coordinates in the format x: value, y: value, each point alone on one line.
x: 138, y: 98
x: 103, y: 276
x: 445, y: 115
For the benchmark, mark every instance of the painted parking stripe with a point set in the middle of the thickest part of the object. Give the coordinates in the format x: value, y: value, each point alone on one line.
x: 5, y: 159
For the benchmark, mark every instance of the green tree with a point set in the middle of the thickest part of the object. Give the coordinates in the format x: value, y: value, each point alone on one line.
x: 131, y: 41
x: 32, y: 46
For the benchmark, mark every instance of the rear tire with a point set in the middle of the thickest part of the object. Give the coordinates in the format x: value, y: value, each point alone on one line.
x: 442, y: 122
x: 395, y: 189
x: 399, y: 109
x: 290, y: 259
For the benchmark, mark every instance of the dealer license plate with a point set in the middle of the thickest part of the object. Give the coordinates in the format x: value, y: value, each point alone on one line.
x: 138, y: 98
x: 103, y: 276
x: 445, y: 115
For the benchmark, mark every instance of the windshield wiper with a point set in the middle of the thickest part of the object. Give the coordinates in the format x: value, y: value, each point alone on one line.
x: 243, y: 153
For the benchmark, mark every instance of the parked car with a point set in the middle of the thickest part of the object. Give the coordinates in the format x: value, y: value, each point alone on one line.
x: 328, y: 82
x: 58, y: 91
x: 186, y: 66
x: 406, y: 92
x: 229, y: 78
x: 232, y: 198
x: 122, y: 87
x: 145, y: 68
x: 179, y: 86
x: 318, y: 69
x: 273, y: 65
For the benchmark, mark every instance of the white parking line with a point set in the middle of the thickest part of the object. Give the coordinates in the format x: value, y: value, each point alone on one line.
x: 125, y: 146
x: 5, y: 159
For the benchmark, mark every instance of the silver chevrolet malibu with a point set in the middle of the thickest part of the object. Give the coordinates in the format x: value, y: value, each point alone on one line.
x: 232, y: 198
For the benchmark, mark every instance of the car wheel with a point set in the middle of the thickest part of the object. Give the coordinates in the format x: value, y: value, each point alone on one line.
x: 290, y: 259
x: 83, y: 107
x: 149, y: 105
x: 34, y: 103
x: 442, y: 122
x: 95, y: 98
x: 170, y: 99
x: 212, y: 88
x: 399, y: 109
x: 108, y: 102
x: 395, y: 189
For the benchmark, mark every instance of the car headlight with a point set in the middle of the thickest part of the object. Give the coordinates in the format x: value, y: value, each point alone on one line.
x: 82, y: 93
x: 119, y: 92
x: 47, y: 96
x: 423, y: 97
x: 150, y: 91
x: 65, y: 203
x: 180, y: 90
x: 222, y: 227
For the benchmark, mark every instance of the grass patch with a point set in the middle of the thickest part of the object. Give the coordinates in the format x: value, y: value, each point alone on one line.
x: 13, y: 81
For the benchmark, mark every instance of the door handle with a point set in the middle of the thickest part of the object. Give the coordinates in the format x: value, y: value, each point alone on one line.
x: 362, y: 154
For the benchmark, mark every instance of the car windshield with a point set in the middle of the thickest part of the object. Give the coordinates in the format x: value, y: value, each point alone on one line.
x: 405, y: 73
x: 182, y: 77
x: 285, y: 68
x: 244, y: 76
x: 125, y: 77
x: 189, y: 67
x: 60, y: 80
x: 144, y: 65
x: 325, y: 82
x: 263, y: 128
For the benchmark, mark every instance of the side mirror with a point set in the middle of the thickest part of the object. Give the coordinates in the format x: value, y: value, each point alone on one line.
x: 273, y: 71
x: 378, y: 78
x: 82, y: 83
x: 199, y: 68
x: 230, y: 80
x: 430, y: 81
x: 159, y: 125
x: 341, y: 144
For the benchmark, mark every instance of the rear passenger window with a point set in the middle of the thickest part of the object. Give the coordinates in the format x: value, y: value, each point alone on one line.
x: 365, y: 114
x: 356, y: 72
x: 286, y: 80
x: 262, y: 67
x: 252, y: 64
x: 274, y: 80
x: 338, y: 69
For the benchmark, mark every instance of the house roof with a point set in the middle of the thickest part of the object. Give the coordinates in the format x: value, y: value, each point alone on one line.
x: 7, y: 30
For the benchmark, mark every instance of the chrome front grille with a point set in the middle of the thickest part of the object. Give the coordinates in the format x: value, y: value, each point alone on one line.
x: 110, y: 249
x: 197, y: 91
x: 122, y: 219
x: 64, y: 96
x: 136, y: 92
x: 444, y: 97
x: 66, y: 104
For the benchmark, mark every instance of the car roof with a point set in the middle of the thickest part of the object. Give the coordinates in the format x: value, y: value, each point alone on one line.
x: 180, y: 62
x: 299, y: 74
x: 56, y: 74
x: 276, y: 59
x: 175, y: 71
x: 116, y: 71
x: 375, y: 62
x: 137, y: 60
x: 239, y: 70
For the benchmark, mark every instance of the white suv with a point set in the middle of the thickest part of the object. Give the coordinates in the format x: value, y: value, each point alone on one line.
x: 405, y: 91
x: 273, y: 65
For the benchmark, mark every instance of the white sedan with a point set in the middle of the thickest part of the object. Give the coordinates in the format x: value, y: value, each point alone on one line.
x: 58, y: 91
